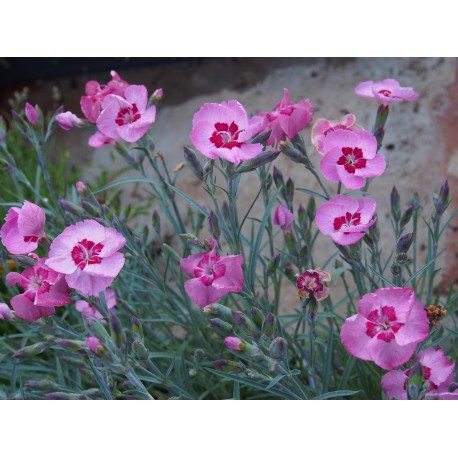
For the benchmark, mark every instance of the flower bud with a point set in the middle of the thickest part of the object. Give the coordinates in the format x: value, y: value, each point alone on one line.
x: 289, y: 271
x: 229, y: 366
x: 41, y: 385
x: 311, y: 209
x: 258, y: 317
x: 208, y: 168
x: 31, y: 113
x: 95, y: 346
x: 302, y: 216
x: 273, y: 264
x: 406, y: 217
x: 61, y: 396
x: 156, y: 220
x: 193, y: 163
x: 283, y: 217
x: 68, y: 120
x: 137, y: 327
x: 5, y: 312
x: 395, y: 204
x: 70, y: 345
x: 242, y: 321
x: 70, y: 207
x: 157, y: 96
x: 404, y: 242
x: 294, y: 154
x: 140, y: 351
x: 218, y: 311
x: 240, y: 346
x: 81, y: 187
x: 278, y: 178
x: 268, y: 326
x: 116, y: 328
x: 277, y: 349
x: 199, y: 354
x: 223, y: 326
x: 31, y: 350
x: 214, y: 225
x: 289, y: 190
x: 261, y: 159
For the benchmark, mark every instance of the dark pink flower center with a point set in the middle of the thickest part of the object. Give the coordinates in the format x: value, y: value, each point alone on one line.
x: 38, y: 283
x: 225, y: 136
x: 352, y: 159
x: 309, y: 281
x: 382, y: 323
x: 86, y: 252
x: 336, y: 127
x: 347, y: 220
x: 128, y: 115
x: 385, y: 92
x: 286, y: 110
x: 30, y: 238
x: 426, y: 378
x: 208, y: 269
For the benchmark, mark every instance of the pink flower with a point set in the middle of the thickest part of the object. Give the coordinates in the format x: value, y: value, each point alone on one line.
x: 95, y: 346
x: 387, y: 328
x: 44, y: 289
x: 126, y: 118
x: 98, y: 140
x: 91, y: 103
x: 5, y: 312
x: 223, y: 130
x: 310, y: 283
x: 288, y: 119
x: 68, y: 120
x: 87, y: 309
x: 157, y: 95
x: 213, y: 276
x: 233, y: 343
x: 386, y: 91
x: 31, y: 113
x: 23, y: 228
x: 283, y: 217
x: 88, y: 254
x: 345, y: 219
x: 438, y: 371
x: 351, y: 157
x: 323, y: 127
x: 80, y: 187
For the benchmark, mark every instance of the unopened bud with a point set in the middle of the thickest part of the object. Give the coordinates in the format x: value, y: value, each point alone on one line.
x: 5, y: 312
x: 311, y: 209
x: 95, y: 346
x: 277, y: 349
x: 404, y: 242
x: 31, y: 113
x: 31, y: 350
x: 70, y: 207
x: 61, y: 396
x: 415, y: 386
x: 395, y: 204
x: 406, y: 217
x: 242, y: 321
x: 193, y: 163
x: 268, y: 326
x: 273, y: 264
x: 289, y: 271
x: 302, y: 216
x: 199, y: 354
x: 294, y: 154
x: 41, y: 385
x: 208, y: 168
x: 156, y: 220
x: 70, y: 345
x: 229, y: 366
x: 223, y: 326
x: 261, y: 159
x: 258, y: 317
x: 214, y: 225
x: 218, y: 311
x: 137, y: 327
x: 157, y: 96
x: 289, y: 190
x: 278, y: 178
x: 241, y: 346
x: 141, y: 352
x: 116, y: 328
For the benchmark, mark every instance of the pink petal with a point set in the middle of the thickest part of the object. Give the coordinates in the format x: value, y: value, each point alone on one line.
x: 137, y: 94
x: 328, y: 165
x: 393, y: 384
x: 200, y: 137
x: 344, y: 239
x: 88, y: 284
x: 442, y: 369
x: 108, y: 267
x: 416, y: 327
x: 365, y: 89
x: 106, y: 122
x: 31, y: 220
x: 189, y: 264
x: 325, y: 216
x: 201, y: 294
x: 25, y: 309
x: 374, y: 167
x: 349, y: 180
x: 389, y: 355
x: 354, y: 338
x: 113, y: 241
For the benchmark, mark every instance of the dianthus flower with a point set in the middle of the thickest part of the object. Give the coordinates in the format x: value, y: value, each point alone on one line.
x: 386, y: 91
x: 212, y: 276
x: 283, y: 217
x: 387, y: 328
x: 223, y: 130
x: 346, y: 219
x: 310, y: 284
x: 23, y: 228
x: 87, y: 309
x: 88, y: 254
